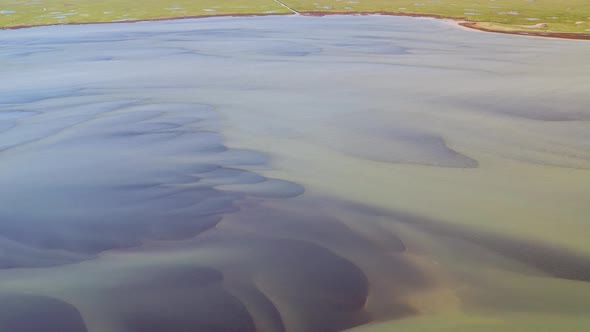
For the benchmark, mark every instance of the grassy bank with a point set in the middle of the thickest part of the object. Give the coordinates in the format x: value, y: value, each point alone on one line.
x: 533, y: 15
x: 43, y: 12
x: 506, y: 15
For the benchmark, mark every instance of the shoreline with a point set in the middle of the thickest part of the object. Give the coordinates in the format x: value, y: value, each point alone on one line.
x: 549, y: 34
x: 460, y: 21
x: 168, y: 18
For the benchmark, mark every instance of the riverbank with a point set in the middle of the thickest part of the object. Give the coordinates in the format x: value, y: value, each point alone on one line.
x: 565, y: 35
x: 17, y: 27
x: 481, y: 26
x: 465, y: 23
x: 544, y: 18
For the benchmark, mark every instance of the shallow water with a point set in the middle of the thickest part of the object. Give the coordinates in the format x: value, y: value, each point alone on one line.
x: 293, y: 173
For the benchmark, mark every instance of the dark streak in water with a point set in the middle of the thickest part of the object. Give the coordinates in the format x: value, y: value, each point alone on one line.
x: 35, y: 313
x: 130, y: 187
x: 179, y: 299
x: 555, y: 261
x: 387, y: 141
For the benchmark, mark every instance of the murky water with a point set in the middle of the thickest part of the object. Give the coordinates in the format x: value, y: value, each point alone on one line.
x: 293, y: 173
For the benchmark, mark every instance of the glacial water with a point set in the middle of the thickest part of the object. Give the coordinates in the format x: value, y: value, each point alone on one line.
x: 293, y: 174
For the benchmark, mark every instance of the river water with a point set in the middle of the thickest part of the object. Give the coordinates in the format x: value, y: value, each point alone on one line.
x: 293, y: 173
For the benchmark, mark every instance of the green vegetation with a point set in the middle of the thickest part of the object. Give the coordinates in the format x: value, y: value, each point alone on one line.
x: 557, y: 15
x: 39, y: 12
x: 533, y: 15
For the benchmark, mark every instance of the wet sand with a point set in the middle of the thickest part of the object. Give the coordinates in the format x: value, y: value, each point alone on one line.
x: 308, y: 177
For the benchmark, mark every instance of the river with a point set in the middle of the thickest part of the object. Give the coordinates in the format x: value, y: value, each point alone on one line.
x: 293, y: 173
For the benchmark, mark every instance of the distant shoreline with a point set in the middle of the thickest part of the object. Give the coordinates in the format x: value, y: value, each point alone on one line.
x: 464, y: 23
x: 169, y: 18
x: 460, y: 21
x: 562, y: 35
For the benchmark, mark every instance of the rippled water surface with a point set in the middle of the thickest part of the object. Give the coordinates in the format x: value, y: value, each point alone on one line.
x: 293, y: 174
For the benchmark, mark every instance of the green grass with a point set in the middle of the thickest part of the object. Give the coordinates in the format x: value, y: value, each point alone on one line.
x: 38, y: 12
x: 559, y: 15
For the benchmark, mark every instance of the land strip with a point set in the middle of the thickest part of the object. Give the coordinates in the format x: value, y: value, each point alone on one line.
x: 546, y: 18
x: 286, y: 6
